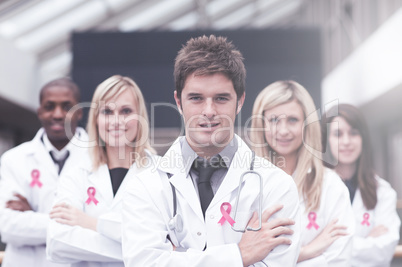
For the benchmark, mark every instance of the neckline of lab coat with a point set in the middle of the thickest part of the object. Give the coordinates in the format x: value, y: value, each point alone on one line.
x: 42, y: 156
x: 103, y: 185
x: 184, y: 185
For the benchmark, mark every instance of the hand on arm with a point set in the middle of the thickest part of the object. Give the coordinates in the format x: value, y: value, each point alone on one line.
x: 21, y: 204
x: 325, y: 239
x: 378, y: 230
x: 66, y: 214
x: 256, y: 245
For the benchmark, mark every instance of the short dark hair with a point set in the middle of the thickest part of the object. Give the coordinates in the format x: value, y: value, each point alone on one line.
x: 64, y: 82
x: 207, y: 55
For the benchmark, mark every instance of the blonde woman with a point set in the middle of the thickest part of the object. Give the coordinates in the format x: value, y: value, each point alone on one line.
x: 85, y: 227
x: 285, y: 130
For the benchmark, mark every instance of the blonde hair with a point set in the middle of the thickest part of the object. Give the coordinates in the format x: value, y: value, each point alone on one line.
x: 309, y: 169
x: 108, y: 89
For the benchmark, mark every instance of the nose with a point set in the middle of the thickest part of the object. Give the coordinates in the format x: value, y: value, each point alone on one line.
x: 209, y: 110
x: 345, y: 140
x: 116, y: 119
x: 282, y: 127
x: 58, y: 113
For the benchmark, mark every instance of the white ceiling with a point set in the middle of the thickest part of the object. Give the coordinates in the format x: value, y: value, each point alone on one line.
x: 43, y: 27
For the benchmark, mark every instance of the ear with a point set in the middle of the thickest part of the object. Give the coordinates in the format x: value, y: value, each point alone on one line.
x: 240, y: 102
x: 178, y: 102
x: 39, y: 111
x: 79, y: 114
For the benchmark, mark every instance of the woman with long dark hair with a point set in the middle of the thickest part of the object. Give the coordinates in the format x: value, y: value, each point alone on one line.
x: 346, y: 136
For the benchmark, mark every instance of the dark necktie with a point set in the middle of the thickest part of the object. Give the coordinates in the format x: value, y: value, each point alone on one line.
x: 205, y: 170
x: 59, y: 162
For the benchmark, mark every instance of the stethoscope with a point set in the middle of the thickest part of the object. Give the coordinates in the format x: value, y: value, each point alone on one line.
x: 176, y: 222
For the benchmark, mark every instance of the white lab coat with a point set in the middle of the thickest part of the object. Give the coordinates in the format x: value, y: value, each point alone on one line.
x: 370, y: 251
x: 335, y: 204
x: 148, y: 207
x: 80, y: 246
x: 25, y: 232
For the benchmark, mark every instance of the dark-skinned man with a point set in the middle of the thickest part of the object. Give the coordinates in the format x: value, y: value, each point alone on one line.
x: 30, y: 173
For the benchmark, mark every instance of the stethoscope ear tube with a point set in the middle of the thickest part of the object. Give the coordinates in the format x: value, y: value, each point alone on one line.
x: 251, y: 171
x: 174, y: 198
x: 176, y: 222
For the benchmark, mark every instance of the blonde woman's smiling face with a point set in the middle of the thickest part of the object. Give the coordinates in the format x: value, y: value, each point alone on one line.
x: 283, y: 126
x: 118, y: 120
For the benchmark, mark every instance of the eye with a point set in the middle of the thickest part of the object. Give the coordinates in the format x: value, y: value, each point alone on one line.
x: 354, y: 132
x: 67, y: 107
x: 48, y: 106
x: 106, y: 111
x: 222, y: 99
x: 273, y: 120
x: 126, y: 111
x: 195, y: 98
x: 293, y: 120
x: 337, y: 133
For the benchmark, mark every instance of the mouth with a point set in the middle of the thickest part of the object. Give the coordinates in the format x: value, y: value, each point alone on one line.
x: 57, y: 127
x: 283, y: 141
x: 116, y: 132
x: 209, y: 125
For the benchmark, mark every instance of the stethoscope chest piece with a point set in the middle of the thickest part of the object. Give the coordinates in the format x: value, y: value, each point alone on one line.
x: 176, y: 223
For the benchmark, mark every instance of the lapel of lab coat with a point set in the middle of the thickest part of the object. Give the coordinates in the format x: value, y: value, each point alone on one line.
x: 78, y: 151
x: 100, y: 179
x: 184, y: 184
x: 120, y: 193
x: 240, y: 163
x: 181, y: 181
x: 42, y: 157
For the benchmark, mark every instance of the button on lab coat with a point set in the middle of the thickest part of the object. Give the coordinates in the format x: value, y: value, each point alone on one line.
x: 376, y: 251
x: 335, y: 204
x: 148, y: 207
x: 84, y: 247
x: 25, y: 232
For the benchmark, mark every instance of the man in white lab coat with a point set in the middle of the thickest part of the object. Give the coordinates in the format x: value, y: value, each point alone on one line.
x: 182, y: 213
x: 30, y: 173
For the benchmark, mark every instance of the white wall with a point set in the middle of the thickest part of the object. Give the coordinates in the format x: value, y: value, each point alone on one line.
x: 372, y: 69
x: 18, y: 79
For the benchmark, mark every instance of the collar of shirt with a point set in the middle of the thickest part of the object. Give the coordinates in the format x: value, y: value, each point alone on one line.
x: 189, y: 155
x: 57, y: 154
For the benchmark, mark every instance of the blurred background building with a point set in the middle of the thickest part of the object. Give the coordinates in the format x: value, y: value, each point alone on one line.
x: 361, y: 53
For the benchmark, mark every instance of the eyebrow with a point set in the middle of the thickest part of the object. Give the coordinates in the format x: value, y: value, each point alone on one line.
x: 219, y: 95
x: 224, y: 95
x: 194, y: 94
x: 108, y: 105
x: 57, y: 102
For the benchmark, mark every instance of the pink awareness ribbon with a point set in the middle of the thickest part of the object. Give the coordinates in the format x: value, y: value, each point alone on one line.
x: 312, y: 216
x: 91, y: 196
x: 366, y: 217
x: 35, y: 174
x: 225, y: 214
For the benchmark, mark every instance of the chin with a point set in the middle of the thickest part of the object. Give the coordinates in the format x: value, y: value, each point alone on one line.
x: 347, y: 161
x: 57, y: 137
x: 216, y: 140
